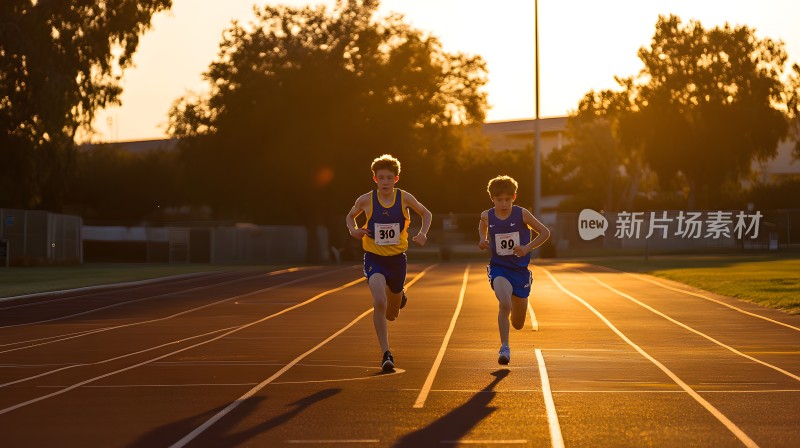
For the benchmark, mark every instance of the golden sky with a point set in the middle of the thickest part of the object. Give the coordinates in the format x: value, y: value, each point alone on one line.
x: 584, y: 44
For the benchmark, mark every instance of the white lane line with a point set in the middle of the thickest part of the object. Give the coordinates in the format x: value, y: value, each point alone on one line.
x: 686, y: 327
x: 485, y: 442
x: 233, y: 405
x: 711, y: 299
x: 107, y: 360
x: 534, y: 322
x: 321, y: 441
x: 128, y: 302
x: 135, y: 284
x: 94, y: 310
x: 50, y: 372
x: 197, y: 431
x: 336, y: 380
x: 556, y: 440
x: 158, y: 358
x: 744, y: 438
x: 426, y: 388
x: 66, y: 337
x: 590, y: 391
x: 624, y: 391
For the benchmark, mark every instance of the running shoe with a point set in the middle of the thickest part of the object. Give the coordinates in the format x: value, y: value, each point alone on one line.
x: 505, y: 355
x: 403, y: 300
x: 388, y: 361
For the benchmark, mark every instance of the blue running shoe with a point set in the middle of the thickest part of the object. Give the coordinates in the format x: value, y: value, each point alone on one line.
x: 505, y: 355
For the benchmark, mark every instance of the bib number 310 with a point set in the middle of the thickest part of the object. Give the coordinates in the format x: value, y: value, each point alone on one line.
x: 387, y: 234
x: 506, y: 242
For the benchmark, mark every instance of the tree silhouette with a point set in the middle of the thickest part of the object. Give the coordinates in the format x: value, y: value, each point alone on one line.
x: 793, y: 107
x: 59, y: 62
x: 711, y: 103
x: 301, y: 101
x: 603, y: 161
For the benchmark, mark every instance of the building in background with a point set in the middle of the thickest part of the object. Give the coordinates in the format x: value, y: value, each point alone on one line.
x: 517, y: 134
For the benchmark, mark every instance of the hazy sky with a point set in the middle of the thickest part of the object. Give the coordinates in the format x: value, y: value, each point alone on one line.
x: 584, y: 44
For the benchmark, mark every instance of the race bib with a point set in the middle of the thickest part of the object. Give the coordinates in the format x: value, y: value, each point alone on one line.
x: 388, y: 234
x: 505, y: 243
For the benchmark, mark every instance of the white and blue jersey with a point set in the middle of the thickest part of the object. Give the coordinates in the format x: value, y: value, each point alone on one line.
x: 504, y: 236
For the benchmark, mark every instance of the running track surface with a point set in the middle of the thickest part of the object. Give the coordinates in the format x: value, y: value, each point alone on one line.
x: 290, y: 358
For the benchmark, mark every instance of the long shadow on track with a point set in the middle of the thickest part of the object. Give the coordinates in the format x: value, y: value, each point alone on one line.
x: 218, y: 435
x: 459, y: 421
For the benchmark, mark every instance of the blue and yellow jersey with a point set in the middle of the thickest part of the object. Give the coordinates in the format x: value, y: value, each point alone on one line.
x: 388, y: 225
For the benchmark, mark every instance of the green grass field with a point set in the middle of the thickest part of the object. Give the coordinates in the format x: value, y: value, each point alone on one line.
x: 768, y: 280
x: 18, y: 281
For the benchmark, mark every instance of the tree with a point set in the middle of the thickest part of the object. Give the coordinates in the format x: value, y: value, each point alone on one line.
x: 303, y: 99
x: 793, y: 107
x: 603, y: 160
x: 711, y: 103
x: 60, y: 61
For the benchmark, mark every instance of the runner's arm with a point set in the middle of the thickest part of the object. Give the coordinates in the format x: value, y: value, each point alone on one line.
x: 483, y: 230
x: 412, y: 202
x: 358, y: 208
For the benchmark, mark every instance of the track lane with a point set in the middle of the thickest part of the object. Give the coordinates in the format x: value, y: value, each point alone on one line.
x: 697, y: 361
x: 95, y: 357
x: 604, y: 392
x: 341, y: 385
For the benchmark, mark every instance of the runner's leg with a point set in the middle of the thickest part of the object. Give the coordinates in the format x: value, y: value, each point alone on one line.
x: 519, y: 307
x: 502, y: 289
x: 377, y: 285
x: 393, y: 303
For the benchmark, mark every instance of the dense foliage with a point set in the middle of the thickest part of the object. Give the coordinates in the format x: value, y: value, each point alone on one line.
x: 60, y: 61
x: 303, y: 99
x: 707, y: 103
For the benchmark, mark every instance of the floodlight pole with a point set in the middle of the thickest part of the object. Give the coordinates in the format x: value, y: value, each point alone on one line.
x: 537, y: 153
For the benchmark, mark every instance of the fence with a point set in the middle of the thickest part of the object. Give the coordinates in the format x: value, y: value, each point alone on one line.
x: 456, y: 235
x: 34, y: 237
x: 207, y: 244
x: 262, y: 244
x: 40, y: 237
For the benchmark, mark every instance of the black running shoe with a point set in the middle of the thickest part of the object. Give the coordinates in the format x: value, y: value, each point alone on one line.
x: 388, y: 361
x: 403, y: 301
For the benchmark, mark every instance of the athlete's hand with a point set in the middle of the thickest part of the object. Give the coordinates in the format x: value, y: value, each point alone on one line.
x: 521, y: 251
x: 359, y: 233
x: 420, y: 239
x: 484, y: 244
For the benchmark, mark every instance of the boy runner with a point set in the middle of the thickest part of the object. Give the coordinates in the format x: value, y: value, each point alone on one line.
x: 384, y: 237
x: 506, y: 230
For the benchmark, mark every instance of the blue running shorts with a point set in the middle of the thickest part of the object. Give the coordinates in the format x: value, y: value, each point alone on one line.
x: 520, y: 279
x: 393, y: 268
